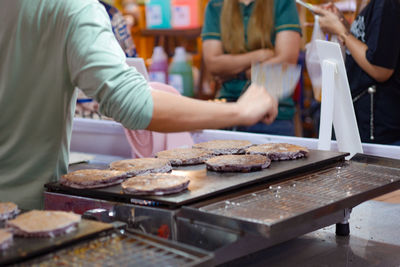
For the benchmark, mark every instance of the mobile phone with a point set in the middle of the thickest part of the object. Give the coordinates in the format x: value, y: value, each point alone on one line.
x: 306, y: 5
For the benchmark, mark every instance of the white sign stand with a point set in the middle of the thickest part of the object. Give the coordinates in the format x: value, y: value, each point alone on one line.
x: 336, y: 103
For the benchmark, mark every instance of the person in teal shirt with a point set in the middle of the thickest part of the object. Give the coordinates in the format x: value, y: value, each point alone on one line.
x: 237, y: 33
x: 49, y: 47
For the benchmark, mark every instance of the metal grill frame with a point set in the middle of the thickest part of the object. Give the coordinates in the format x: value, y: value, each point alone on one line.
x: 297, y: 196
x: 276, y: 228
x: 144, y: 248
x: 230, y: 238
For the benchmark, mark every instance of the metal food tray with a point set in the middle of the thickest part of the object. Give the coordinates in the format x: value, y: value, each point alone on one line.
x: 204, y: 184
x: 22, y: 249
x: 301, y: 200
x: 125, y: 248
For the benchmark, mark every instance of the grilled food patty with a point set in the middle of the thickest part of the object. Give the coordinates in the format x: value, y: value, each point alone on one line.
x: 279, y: 151
x: 6, y: 239
x: 44, y: 223
x: 225, y: 147
x: 238, y: 163
x: 155, y: 184
x: 139, y: 166
x: 185, y: 156
x: 93, y: 178
x: 8, y: 210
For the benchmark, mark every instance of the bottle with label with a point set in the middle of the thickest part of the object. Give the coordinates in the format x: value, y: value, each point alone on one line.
x: 185, y: 13
x: 158, y: 70
x: 180, y: 73
x: 158, y: 14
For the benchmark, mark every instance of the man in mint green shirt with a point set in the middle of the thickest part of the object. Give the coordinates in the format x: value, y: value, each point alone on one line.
x: 285, y: 21
x: 49, y: 47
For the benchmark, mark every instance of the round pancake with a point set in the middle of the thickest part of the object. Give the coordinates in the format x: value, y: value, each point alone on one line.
x: 238, y: 163
x: 225, y: 147
x: 139, y: 166
x: 185, y: 156
x: 92, y: 178
x: 5, y: 239
x: 8, y: 210
x: 155, y: 184
x: 44, y: 223
x: 279, y: 151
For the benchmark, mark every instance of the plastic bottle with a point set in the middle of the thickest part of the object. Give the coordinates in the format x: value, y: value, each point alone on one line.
x: 185, y: 13
x: 180, y: 73
x: 158, y: 70
x: 158, y: 14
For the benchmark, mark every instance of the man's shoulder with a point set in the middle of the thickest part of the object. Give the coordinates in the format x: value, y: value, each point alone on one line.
x: 74, y: 6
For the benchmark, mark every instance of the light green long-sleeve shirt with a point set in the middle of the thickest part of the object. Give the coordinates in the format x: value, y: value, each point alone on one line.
x: 47, y: 48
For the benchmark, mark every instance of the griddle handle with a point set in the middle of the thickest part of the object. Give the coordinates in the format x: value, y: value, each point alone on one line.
x: 102, y: 215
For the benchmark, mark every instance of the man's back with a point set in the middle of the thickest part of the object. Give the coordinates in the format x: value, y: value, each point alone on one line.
x: 42, y: 59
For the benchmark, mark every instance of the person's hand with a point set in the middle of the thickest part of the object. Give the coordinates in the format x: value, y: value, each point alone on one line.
x: 87, y: 109
x: 256, y: 104
x: 330, y: 22
x: 333, y: 8
x: 262, y: 55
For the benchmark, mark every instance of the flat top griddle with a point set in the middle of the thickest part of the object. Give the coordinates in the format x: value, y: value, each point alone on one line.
x: 204, y: 184
x: 25, y: 248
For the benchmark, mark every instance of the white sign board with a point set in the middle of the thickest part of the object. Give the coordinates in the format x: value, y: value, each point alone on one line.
x: 336, y: 104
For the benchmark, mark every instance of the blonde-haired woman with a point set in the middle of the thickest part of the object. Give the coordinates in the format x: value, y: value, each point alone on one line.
x: 373, y: 66
x: 237, y: 33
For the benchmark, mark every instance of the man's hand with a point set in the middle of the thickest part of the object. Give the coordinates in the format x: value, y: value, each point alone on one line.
x: 257, y: 105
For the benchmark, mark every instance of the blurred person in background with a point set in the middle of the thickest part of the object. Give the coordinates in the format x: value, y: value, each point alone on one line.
x: 237, y: 33
x: 50, y: 47
x: 121, y: 30
x: 373, y: 65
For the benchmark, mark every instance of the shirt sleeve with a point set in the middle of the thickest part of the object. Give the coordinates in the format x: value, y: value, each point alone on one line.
x: 97, y: 66
x: 384, y: 38
x: 286, y: 16
x: 211, y: 27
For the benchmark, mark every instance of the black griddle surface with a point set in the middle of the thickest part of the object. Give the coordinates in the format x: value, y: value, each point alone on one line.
x: 25, y: 248
x: 204, y: 183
